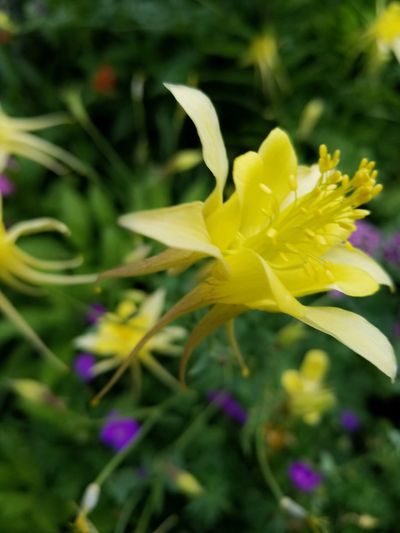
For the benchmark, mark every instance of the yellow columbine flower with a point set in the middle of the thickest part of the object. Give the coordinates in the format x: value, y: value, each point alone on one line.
x: 264, y: 55
x: 281, y: 235
x: 6, y: 24
x: 308, y: 396
x: 16, y: 139
x: 115, y: 333
x: 386, y: 31
x: 25, y: 273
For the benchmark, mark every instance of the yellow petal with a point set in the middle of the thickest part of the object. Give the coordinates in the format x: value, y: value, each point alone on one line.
x: 181, y: 226
x: 356, y: 333
x: 202, y: 112
x: 170, y: 258
x: 152, y: 307
x: 248, y: 175
x: 223, y: 222
x: 357, y: 258
x: 352, y: 281
x: 250, y: 281
x: 315, y: 365
x: 347, y: 279
x: 291, y: 382
x: 280, y: 162
x: 307, y: 179
x: 246, y: 282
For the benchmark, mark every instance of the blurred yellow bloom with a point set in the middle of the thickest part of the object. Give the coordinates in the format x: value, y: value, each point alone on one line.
x: 182, y: 161
x: 115, y: 333
x: 25, y: 273
x: 36, y: 392
x: 16, y: 139
x: 281, y: 235
x: 308, y: 396
x: 263, y: 54
x: 291, y: 334
x: 184, y: 481
x: 89, y: 501
x: 310, y: 117
x: 386, y: 31
x: 6, y: 24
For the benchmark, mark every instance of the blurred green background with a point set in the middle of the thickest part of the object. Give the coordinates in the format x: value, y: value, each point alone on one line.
x: 305, y: 67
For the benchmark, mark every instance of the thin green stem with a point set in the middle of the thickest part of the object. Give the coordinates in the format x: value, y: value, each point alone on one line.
x: 106, y: 148
x: 265, y: 468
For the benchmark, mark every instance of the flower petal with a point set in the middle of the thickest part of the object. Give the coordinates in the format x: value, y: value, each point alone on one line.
x: 356, y: 333
x: 280, y: 162
x: 202, y: 112
x: 223, y: 222
x: 251, y: 282
x: 180, y: 226
x: 152, y: 307
x: 307, y: 179
x: 357, y: 258
x: 352, y: 281
x: 248, y: 175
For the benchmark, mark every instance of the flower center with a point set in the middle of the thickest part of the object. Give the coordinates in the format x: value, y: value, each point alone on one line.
x: 299, y: 234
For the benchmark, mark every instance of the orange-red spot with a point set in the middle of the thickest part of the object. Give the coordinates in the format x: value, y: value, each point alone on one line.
x: 104, y: 80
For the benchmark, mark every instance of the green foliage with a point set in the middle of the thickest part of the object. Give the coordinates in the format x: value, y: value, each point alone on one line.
x: 49, y: 452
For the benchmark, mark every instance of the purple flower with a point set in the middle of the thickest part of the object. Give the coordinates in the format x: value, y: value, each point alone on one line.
x: 83, y: 366
x: 304, y: 477
x: 119, y: 431
x: 336, y: 294
x: 349, y: 420
x: 391, y: 250
x: 94, y: 312
x: 7, y: 187
x: 396, y: 329
x: 366, y: 237
x: 228, y: 404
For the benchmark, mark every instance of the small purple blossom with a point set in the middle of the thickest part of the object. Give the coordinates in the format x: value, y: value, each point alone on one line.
x: 391, y: 249
x: 94, y: 312
x: 228, y: 404
x: 366, y: 237
x: 83, y: 366
x: 304, y: 477
x: 396, y: 330
x: 118, y: 432
x: 349, y: 421
x: 7, y: 187
x: 336, y: 295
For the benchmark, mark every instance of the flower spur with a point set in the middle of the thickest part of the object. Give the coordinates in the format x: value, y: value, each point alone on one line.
x: 16, y: 139
x: 25, y: 273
